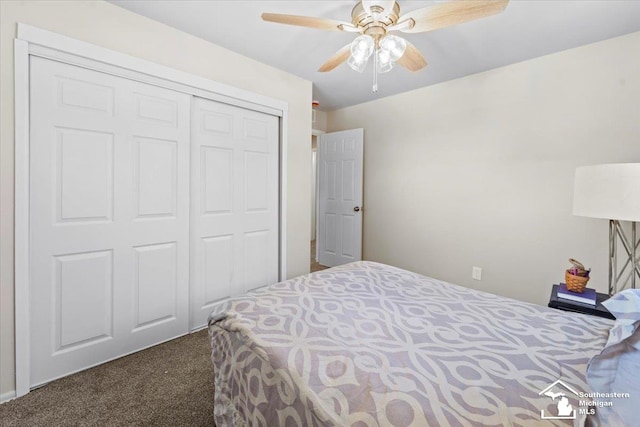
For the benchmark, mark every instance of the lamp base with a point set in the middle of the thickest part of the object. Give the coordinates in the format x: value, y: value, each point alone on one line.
x: 630, y: 271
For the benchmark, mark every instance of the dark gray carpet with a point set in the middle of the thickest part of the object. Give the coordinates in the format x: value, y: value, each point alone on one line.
x: 167, y: 385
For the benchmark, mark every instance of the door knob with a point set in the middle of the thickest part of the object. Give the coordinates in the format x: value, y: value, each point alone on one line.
x: 356, y: 209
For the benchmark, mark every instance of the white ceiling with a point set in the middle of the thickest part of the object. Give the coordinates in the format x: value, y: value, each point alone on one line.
x: 525, y: 30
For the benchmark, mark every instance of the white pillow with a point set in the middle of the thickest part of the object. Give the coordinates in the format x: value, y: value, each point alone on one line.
x: 617, y: 368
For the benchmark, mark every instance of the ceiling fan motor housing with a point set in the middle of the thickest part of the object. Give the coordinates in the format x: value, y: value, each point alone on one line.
x: 360, y: 17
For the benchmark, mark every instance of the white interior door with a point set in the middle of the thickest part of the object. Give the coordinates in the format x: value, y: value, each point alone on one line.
x: 339, y: 238
x: 109, y: 214
x: 234, y: 203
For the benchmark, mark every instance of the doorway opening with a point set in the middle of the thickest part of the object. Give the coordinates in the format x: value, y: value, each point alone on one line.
x: 314, y: 264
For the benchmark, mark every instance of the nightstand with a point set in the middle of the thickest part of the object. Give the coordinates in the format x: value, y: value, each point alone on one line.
x: 566, y: 305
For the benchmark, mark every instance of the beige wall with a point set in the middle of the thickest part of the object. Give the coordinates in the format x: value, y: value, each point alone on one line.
x: 321, y: 121
x: 479, y: 171
x: 112, y: 27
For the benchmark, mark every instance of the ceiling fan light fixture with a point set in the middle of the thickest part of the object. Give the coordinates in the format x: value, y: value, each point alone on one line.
x: 357, y: 64
x: 361, y: 49
x: 385, y: 63
x: 394, y: 45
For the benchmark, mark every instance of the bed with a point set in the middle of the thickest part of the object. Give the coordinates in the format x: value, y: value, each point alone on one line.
x: 366, y: 344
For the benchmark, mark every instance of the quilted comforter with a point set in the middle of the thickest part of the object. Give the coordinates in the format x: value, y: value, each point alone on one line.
x: 367, y: 344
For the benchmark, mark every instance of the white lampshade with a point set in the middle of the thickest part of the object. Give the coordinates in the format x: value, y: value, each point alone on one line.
x: 610, y: 191
x: 394, y: 45
x: 385, y: 64
x: 361, y: 49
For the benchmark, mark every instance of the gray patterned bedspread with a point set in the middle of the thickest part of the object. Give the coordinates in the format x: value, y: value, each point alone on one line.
x: 366, y: 344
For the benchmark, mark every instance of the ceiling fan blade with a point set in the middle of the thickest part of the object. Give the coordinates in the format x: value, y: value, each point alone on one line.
x: 338, y: 58
x: 308, y: 21
x: 412, y: 59
x: 451, y: 13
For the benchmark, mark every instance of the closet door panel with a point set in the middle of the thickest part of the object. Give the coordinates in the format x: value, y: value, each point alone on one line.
x: 234, y: 222
x: 109, y: 217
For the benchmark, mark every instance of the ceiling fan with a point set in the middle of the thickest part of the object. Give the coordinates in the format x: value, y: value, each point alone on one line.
x: 374, y: 20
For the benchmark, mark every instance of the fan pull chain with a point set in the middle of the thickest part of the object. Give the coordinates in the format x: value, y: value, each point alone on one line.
x: 375, y: 71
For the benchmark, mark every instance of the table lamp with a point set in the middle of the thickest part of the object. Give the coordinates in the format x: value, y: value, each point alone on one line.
x: 612, y: 191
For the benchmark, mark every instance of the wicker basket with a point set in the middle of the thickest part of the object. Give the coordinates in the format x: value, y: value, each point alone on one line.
x: 576, y: 283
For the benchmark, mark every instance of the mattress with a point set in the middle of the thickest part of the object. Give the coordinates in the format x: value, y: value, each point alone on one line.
x: 366, y: 344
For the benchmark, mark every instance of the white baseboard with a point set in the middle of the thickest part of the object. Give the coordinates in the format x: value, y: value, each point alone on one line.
x: 5, y: 397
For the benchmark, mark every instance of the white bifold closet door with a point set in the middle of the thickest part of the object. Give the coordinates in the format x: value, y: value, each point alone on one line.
x: 109, y: 217
x: 234, y: 206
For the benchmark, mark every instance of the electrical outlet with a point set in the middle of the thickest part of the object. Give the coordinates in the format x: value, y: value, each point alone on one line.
x: 476, y: 273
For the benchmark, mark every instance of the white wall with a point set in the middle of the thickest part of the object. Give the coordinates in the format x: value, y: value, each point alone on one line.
x: 112, y: 27
x: 479, y: 171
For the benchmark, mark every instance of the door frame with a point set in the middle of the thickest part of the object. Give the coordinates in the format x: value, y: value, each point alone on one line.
x: 317, y: 133
x: 37, y: 42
